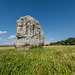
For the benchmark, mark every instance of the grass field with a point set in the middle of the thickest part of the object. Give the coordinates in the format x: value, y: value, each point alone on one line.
x: 49, y: 60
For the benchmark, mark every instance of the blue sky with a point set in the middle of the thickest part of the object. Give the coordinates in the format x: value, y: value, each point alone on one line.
x: 57, y: 18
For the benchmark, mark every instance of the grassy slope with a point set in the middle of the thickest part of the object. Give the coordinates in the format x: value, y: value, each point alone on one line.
x: 50, y: 60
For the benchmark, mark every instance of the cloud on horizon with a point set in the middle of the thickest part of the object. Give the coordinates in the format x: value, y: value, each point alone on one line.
x: 7, y: 42
x: 4, y: 43
x: 1, y: 39
x: 3, y: 32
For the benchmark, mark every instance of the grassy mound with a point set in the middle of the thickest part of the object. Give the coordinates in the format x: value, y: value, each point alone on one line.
x: 49, y: 60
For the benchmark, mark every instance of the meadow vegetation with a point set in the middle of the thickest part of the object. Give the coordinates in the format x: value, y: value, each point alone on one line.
x: 46, y: 60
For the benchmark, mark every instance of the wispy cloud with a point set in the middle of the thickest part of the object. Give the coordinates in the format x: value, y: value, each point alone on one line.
x: 52, y: 39
x: 1, y: 39
x: 3, y: 32
x: 7, y: 42
x: 49, y: 41
x: 4, y: 43
x: 12, y: 36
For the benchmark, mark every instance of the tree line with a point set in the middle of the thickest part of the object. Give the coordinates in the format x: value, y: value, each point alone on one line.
x: 69, y: 41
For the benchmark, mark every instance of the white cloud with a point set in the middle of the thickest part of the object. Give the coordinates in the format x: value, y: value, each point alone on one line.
x: 12, y: 36
x: 7, y: 42
x: 1, y: 39
x: 3, y: 32
x: 4, y: 43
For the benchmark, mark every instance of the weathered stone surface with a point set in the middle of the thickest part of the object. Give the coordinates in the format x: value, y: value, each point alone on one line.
x: 29, y: 33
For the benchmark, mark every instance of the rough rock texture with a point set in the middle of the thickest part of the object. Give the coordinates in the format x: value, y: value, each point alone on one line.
x: 29, y: 33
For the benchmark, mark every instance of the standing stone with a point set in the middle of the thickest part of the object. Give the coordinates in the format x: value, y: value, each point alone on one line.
x: 29, y: 33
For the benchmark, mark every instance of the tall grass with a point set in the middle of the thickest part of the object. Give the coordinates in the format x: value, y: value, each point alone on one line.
x: 49, y: 60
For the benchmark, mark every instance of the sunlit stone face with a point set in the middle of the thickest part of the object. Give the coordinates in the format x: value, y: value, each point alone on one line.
x: 28, y: 32
x: 19, y: 32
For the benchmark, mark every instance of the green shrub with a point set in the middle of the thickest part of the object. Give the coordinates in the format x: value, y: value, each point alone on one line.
x: 69, y: 41
x: 47, y: 44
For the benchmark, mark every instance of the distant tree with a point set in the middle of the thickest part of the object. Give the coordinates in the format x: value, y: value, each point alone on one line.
x: 62, y: 43
x: 69, y: 41
x: 58, y: 42
x: 51, y: 43
x: 47, y: 44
